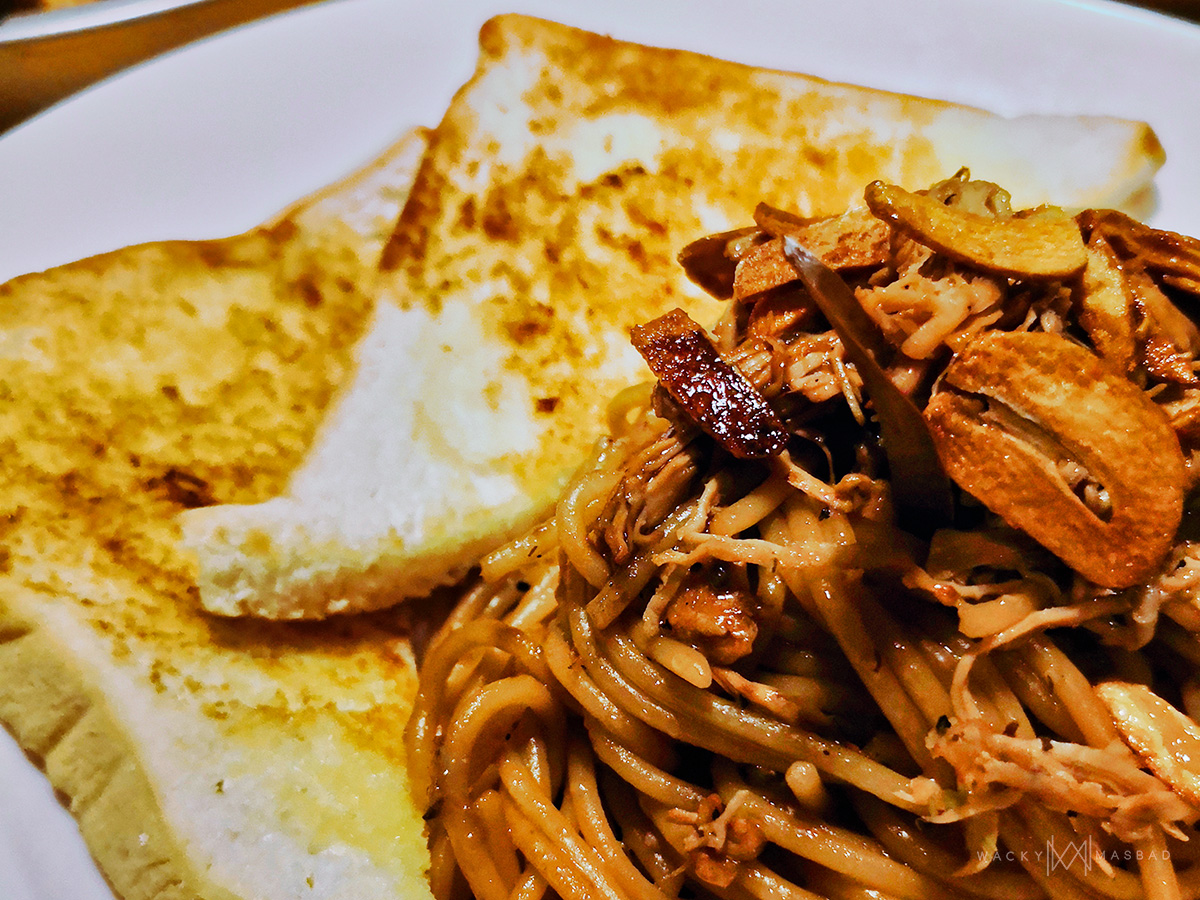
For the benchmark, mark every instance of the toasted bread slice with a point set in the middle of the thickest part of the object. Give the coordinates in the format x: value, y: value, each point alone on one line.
x: 202, y: 758
x: 543, y: 224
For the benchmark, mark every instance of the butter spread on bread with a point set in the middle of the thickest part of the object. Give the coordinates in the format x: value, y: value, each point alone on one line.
x: 543, y: 224
x: 200, y: 757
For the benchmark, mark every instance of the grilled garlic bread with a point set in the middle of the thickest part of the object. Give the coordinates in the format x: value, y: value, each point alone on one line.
x: 201, y: 758
x: 543, y: 224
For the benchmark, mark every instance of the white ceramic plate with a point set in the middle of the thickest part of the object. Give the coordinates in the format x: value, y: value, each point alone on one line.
x: 213, y: 139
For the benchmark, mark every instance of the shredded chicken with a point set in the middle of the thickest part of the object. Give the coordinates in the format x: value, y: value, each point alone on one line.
x: 653, y: 486
x: 921, y: 313
x: 1106, y: 784
x: 721, y: 839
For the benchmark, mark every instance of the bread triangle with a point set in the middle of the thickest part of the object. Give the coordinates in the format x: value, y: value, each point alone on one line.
x: 201, y: 757
x: 543, y: 224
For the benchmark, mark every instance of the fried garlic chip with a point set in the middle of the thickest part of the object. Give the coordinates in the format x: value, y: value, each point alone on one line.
x: 1166, y: 740
x: 1041, y: 244
x: 1106, y: 307
x: 1015, y: 410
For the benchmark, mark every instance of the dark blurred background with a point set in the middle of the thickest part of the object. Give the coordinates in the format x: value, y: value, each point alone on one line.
x: 1187, y: 9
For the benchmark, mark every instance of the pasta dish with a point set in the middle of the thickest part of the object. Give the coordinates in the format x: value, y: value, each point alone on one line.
x: 887, y: 589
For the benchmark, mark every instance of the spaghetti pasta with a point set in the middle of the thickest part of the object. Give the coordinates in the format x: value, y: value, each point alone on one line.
x: 708, y: 676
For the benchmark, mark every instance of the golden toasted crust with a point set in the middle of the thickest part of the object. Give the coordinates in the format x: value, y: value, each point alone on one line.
x: 569, y: 172
x: 202, y: 758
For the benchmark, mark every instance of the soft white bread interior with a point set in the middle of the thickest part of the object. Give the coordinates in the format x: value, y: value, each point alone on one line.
x: 543, y: 224
x: 201, y: 757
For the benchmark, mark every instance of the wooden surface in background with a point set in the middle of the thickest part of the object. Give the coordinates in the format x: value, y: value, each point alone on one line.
x: 37, y: 73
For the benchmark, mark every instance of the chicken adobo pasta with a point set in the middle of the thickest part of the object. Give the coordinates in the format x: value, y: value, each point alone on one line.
x: 886, y: 587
